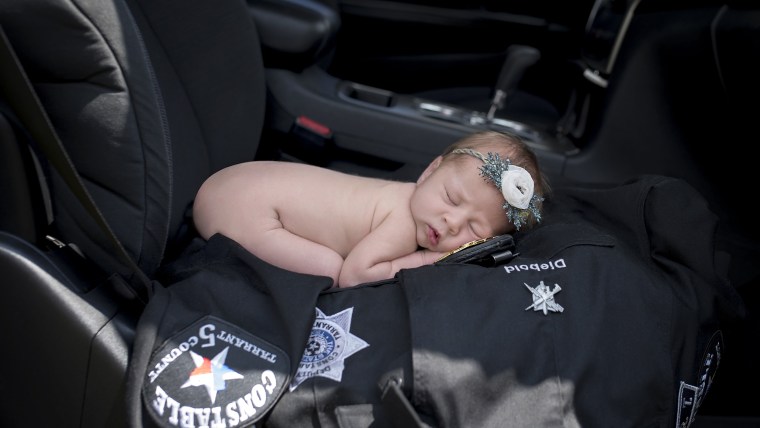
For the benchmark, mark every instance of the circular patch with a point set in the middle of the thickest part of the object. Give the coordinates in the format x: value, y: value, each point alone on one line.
x: 214, y: 373
x: 321, y: 345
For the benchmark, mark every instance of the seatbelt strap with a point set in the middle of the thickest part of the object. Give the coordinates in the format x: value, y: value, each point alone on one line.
x: 17, y: 90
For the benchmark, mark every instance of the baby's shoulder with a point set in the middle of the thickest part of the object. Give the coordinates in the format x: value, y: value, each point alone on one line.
x: 393, y: 200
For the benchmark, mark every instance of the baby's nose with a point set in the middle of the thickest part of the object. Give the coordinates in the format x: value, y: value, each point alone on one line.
x: 454, y: 223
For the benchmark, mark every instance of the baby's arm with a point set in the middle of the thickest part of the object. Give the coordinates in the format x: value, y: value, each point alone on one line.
x: 391, y: 246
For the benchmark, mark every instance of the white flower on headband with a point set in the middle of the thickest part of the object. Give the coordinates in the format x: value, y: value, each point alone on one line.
x: 517, y: 187
x: 515, y: 184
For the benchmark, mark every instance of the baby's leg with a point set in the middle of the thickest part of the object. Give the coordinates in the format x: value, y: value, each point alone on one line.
x: 232, y: 203
x: 276, y: 245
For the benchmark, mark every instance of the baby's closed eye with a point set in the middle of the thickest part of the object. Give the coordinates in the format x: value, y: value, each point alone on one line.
x: 476, y: 230
x: 451, y: 198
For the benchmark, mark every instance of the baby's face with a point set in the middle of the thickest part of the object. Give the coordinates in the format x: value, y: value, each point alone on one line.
x: 455, y: 205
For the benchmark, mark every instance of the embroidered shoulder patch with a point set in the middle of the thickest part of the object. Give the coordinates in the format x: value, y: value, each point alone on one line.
x: 214, y: 373
x: 690, y: 396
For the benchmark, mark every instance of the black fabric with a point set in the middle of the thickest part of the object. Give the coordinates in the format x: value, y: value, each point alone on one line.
x: 642, y: 290
x: 222, y: 280
x: 601, y: 362
x: 379, y: 318
x: 637, y: 342
x: 664, y: 223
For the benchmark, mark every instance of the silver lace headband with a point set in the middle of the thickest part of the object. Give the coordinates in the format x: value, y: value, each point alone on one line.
x: 515, y: 184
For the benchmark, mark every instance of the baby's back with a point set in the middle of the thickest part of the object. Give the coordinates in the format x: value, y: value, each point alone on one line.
x: 328, y: 207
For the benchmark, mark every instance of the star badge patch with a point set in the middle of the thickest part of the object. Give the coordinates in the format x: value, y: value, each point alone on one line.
x: 330, y: 343
x: 212, y: 374
x: 543, y: 298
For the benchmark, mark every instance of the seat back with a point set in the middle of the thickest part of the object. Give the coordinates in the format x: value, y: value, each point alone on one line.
x: 149, y: 98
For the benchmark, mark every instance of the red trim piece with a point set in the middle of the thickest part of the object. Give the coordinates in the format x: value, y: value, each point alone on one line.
x: 314, y: 126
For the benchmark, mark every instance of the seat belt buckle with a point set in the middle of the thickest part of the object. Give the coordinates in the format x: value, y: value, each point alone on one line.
x: 312, y: 140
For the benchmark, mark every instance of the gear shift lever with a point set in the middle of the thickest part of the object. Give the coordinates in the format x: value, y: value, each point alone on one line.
x: 519, y: 58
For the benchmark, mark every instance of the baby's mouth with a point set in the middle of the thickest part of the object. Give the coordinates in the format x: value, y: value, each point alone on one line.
x: 433, y: 236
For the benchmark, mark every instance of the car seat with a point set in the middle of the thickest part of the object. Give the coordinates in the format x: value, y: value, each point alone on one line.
x: 149, y: 98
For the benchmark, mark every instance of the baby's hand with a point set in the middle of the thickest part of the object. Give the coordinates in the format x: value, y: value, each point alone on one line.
x: 429, y: 257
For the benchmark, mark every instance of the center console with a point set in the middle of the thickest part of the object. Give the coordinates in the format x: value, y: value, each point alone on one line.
x: 400, y: 129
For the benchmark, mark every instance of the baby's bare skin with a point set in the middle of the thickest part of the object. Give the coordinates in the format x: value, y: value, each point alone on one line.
x: 313, y: 220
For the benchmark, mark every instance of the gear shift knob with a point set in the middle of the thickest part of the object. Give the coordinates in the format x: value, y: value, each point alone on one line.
x: 519, y: 58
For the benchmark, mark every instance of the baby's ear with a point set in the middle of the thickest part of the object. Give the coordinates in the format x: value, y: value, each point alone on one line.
x: 430, y: 168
